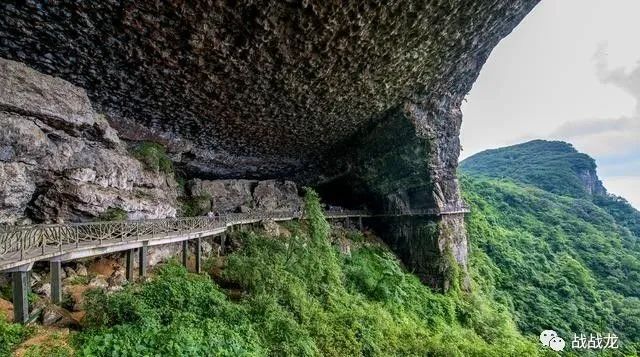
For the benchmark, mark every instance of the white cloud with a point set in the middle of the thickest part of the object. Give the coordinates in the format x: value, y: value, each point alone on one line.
x: 608, y: 137
x: 596, y: 126
x: 627, y: 80
x: 602, y: 137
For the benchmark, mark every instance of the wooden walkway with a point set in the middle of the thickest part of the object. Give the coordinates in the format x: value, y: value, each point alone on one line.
x: 22, y: 246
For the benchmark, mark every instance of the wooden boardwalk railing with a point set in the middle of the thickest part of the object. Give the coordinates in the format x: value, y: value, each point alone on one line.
x: 19, y: 240
x: 21, y: 246
x: 18, y: 243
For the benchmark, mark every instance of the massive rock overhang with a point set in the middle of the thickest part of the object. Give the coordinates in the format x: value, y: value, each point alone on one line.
x: 257, y: 89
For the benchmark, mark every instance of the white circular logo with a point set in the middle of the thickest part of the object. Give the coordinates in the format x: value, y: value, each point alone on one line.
x: 551, y: 339
x: 546, y: 336
x: 556, y: 344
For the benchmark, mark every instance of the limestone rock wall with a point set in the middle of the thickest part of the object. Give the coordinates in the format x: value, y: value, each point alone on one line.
x: 246, y: 195
x: 404, y: 163
x: 59, y: 160
x: 591, y: 182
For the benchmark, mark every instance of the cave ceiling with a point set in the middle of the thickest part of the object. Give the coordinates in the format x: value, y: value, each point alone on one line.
x: 256, y: 88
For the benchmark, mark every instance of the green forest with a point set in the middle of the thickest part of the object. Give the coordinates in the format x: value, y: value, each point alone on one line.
x: 558, y: 256
x: 540, y: 258
x: 299, y: 297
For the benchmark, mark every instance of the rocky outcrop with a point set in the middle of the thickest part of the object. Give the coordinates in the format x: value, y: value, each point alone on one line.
x: 53, y: 315
x: 61, y: 161
x: 591, y: 182
x: 360, y: 98
x: 405, y: 176
x: 246, y: 195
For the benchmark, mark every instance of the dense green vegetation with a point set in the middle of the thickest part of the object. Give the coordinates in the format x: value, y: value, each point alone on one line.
x: 553, y: 166
x: 300, y: 298
x: 153, y: 156
x: 621, y: 210
x: 556, y: 255
x: 556, y: 262
x: 113, y: 214
x: 11, y: 335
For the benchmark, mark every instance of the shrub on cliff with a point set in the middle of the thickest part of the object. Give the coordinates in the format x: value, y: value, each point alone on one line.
x: 153, y: 156
x: 113, y: 214
x: 193, y: 206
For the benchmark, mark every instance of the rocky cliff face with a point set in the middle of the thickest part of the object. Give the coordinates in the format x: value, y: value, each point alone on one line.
x: 59, y: 160
x: 359, y: 98
x: 591, y: 182
x: 223, y: 196
x: 406, y: 163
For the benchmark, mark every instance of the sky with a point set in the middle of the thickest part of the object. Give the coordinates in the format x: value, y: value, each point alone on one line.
x: 570, y: 71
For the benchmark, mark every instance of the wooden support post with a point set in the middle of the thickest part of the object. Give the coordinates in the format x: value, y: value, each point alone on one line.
x: 360, y: 223
x: 20, y: 281
x: 348, y: 224
x: 185, y: 252
x: 142, y: 261
x: 129, y: 265
x: 198, y: 255
x: 55, y: 267
x: 223, y: 242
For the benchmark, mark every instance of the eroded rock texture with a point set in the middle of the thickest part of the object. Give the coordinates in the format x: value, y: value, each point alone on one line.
x: 361, y: 98
x: 405, y: 163
x: 61, y: 161
x: 246, y: 195
x: 260, y: 89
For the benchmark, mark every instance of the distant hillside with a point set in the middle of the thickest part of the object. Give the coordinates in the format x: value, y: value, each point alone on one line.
x: 550, y: 244
x: 556, y: 167
x: 554, y: 261
x: 553, y: 166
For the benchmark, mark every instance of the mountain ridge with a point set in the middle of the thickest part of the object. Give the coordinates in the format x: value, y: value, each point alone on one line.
x: 556, y: 167
x: 558, y: 161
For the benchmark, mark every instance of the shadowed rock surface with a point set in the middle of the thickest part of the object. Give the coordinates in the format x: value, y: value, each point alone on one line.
x: 256, y: 89
x: 246, y: 195
x: 361, y: 99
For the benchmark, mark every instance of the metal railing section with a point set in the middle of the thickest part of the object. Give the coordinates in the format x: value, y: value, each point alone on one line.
x: 17, y: 241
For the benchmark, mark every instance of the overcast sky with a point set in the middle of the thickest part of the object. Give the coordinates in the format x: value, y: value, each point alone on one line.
x: 569, y: 71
